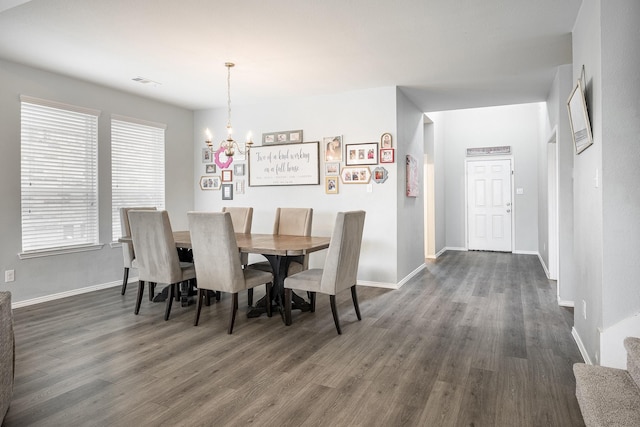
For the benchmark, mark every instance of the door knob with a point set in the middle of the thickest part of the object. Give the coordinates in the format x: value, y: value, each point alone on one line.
x: 508, y: 210
x: 509, y: 204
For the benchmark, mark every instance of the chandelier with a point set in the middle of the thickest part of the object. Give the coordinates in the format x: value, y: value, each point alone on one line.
x: 229, y: 145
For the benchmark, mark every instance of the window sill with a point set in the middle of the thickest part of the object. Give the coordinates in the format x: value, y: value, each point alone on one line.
x: 59, y: 251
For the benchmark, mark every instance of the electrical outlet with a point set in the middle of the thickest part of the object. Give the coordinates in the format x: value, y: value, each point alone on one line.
x: 9, y: 275
x: 584, y: 309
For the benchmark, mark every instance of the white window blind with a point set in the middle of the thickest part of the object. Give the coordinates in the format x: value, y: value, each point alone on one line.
x: 59, y: 189
x: 137, y: 166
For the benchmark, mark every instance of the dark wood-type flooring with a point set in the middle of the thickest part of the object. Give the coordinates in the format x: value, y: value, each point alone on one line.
x: 475, y: 339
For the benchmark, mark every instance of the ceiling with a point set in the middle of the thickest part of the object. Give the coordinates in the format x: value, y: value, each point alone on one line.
x: 443, y: 54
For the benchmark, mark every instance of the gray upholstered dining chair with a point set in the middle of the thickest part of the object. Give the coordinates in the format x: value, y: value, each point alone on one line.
x: 289, y: 222
x: 128, y: 252
x: 218, y: 268
x: 340, y: 267
x: 241, y: 219
x: 156, y: 255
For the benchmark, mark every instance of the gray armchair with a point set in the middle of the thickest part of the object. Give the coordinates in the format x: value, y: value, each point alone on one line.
x: 215, y: 255
x: 289, y: 222
x: 128, y: 252
x: 340, y: 268
x: 156, y: 255
x: 7, y: 353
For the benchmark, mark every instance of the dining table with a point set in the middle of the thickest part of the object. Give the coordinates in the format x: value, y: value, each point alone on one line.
x: 278, y: 249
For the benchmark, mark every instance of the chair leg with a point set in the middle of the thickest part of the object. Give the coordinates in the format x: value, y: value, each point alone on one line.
x: 167, y: 310
x: 139, y: 296
x: 201, y: 296
x: 334, y: 310
x: 218, y: 294
x: 234, y: 309
x: 287, y: 306
x: 267, y: 299
x: 354, y: 297
x: 124, y: 281
x: 152, y: 290
x: 312, y: 301
x: 250, y: 296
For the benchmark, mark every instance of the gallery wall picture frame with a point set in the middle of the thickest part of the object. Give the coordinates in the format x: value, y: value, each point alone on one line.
x: 386, y: 140
x: 282, y: 137
x: 210, y: 168
x: 285, y: 164
x: 332, y: 169
x: 380, y: 175
x: 240, y: 184
x: 207, y: 155
x: 355, y: 175
x: 331, y: 184
x: 361, y: 154
x: 579, y: 119
x: 210, y: 182
x: 238, y: 169
x: 332, y: 146
x: 387, y: 155
x: 227, y: 191
x: 227, y: 175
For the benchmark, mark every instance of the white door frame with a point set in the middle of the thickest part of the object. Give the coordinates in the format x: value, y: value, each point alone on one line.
x: 552, y: 206
x: 466, y: 198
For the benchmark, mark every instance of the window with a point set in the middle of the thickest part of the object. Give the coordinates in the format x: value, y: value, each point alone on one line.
x: 137, y: 166
x: 59, y: 190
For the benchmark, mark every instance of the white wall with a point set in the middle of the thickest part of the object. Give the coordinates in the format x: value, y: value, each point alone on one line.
x: 39, y: 277
x: 515, y: 125
x: 359, y: 116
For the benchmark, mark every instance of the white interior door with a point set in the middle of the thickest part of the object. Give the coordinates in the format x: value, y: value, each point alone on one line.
x: 489, y: 206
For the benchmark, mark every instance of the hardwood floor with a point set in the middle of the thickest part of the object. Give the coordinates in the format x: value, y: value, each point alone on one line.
x: 476, y: 339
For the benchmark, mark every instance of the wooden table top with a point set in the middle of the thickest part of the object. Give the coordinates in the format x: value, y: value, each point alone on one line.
x: 265, y: 244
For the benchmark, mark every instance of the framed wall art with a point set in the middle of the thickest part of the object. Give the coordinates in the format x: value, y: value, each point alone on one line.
x: 210, y: 182
x: 288, y: 164
x: 387, y: 155
x: 238, y: 169
x: 227, y: 191
x: 579, y: 119
x: 380, y: 175
x: 331, y: 185
x: 332, y: 148
x: 227, y: 175
x: 355, y: 175
x: 282, y: 137
x: 412, y: 176
x: 332, y: 169
x: 207, y: 156
x: 240, y: 186
x: 386, y: 140
x: 361, y: 154
x: 210, y: 168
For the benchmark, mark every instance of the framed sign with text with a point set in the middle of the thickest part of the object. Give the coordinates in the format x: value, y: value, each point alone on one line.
x: 286, y: 164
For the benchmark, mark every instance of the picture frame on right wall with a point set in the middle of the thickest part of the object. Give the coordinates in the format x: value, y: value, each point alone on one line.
x: 579, y: 119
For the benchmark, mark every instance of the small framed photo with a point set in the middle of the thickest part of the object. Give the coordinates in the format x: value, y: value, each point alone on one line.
x: 238, y: 169
x: 210, y: 168
x: 387, y: 155
x: 282, y: 137
x: 386, y: 140
x: 332, y: 148
x: 355, y: 175
x: 361, y: 154
x: 207, y: 155
x: 380, y: 175
x: 332, y: 169
x: 240, y: 186
x: 210, y: 182
x: 227, y: 191
x: 331, y: 185
x: 227, y: 175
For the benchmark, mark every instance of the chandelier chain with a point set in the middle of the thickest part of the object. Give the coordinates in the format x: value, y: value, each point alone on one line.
x: 229, y: 65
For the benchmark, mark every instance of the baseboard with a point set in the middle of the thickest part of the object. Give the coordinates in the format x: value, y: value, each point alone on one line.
x: 565, y: 303
x: 453, y: 248
x: 583, y: 350
x: 442, y: 251
x: 519, y: 252
x: 544, y: 266
x: 70, y: 293
x: 398, y: 285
